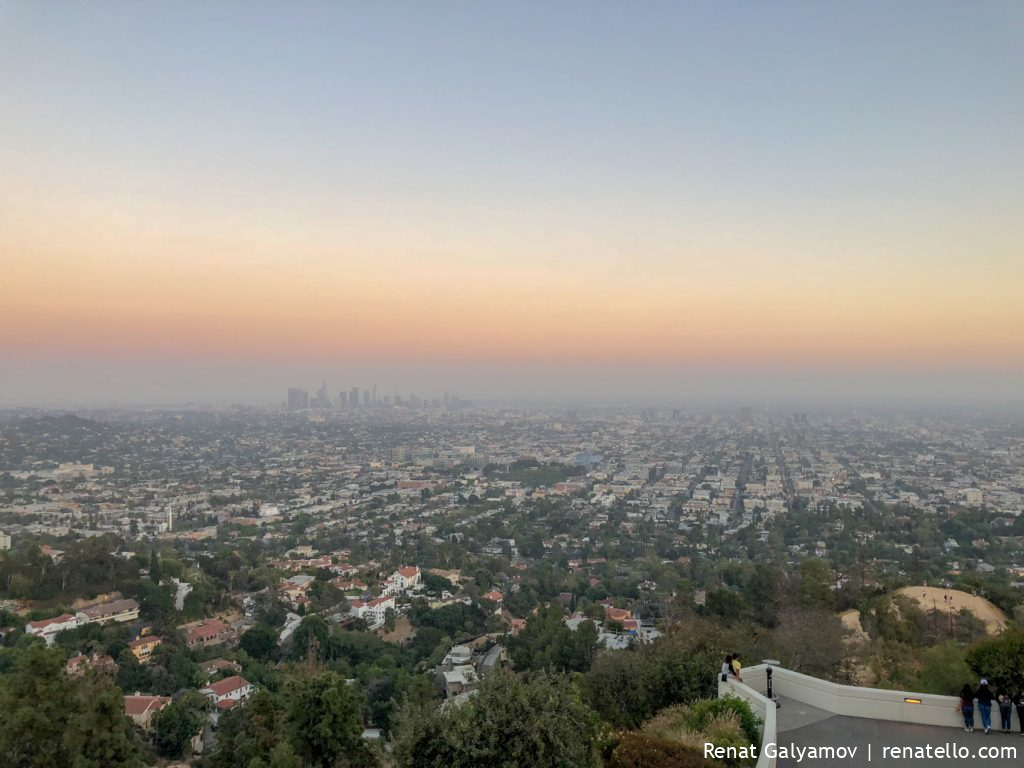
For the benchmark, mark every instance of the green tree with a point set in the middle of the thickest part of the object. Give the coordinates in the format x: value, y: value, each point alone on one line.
x: 246, y: 735
x: 311, y: 630
x: 175, y: 725
x: 325, y: 724
x: 51, y: 720
x: 101, y: 735
x: 814, y: 584
x: 627, y: 687
x: 155, y: 572
x: 1000, y: 659
x: 260, y: 642
x: 547, y: 643
x: 512, y: 722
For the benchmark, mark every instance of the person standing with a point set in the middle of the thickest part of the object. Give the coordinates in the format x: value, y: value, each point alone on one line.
x: 1005, y: 712
x: 984, y: 697
x: 736, y: 667
x: 967, y: 707
x: 726, y: 668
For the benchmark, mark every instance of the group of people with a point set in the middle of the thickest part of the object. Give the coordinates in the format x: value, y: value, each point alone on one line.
x: 731, y: 668
x: 985, y: 697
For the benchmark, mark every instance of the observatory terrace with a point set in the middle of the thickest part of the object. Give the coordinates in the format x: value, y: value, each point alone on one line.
x: 864, y: 726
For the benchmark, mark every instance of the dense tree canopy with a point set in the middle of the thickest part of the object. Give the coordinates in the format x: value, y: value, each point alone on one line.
x: 51, y: 720
x: 513, y: 721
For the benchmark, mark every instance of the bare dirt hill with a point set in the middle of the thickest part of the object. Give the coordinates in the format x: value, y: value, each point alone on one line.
x: 934, y: 597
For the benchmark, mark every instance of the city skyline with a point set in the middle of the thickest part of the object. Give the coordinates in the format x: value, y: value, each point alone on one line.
x: 570, y: 202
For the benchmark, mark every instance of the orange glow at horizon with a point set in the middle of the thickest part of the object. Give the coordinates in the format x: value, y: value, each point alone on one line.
x: 134, y: 286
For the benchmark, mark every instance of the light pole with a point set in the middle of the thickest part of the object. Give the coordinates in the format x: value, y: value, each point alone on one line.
x: 769, y: 663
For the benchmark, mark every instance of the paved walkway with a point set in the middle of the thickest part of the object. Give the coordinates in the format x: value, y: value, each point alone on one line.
x: 804, y: 726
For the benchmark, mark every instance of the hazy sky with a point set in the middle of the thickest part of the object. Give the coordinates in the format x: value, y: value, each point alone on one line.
x: 217, y: 200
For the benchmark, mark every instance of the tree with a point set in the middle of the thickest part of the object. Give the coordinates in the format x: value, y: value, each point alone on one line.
x: 325, y: 723
x: 627, y: 687
x: 175, y: 725
x: 725, y: 603
x: 51, y: 720
x: 101, y: 735
x: 1000, y: 659
x: 511, y: 722
x: 547, y: 643
x: 812, y: 641
x: 247, y: 734
x: 260, y: 642
x: 814, y: 584
x: 311, y: 630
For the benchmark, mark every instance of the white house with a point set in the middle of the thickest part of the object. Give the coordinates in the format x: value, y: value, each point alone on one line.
x: 227, y: 692
x: 48, y: 628
x: 405, y: 578
x: 372, y: 611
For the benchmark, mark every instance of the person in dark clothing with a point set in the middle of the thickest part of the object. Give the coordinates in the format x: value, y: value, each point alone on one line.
x: 967, y: 706
x: 1005, y: 712
x: 985, y: 698
x: 727, y: 668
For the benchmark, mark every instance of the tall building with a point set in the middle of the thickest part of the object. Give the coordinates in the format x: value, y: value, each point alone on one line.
x: 353, y: 398
x: 322, y: 399
x: 298, y: 399
x: 366, y: 397
x: 342, y: 400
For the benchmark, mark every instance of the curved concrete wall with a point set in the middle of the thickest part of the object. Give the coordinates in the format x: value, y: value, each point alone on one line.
x: 763, y: 708
x: 854, y: 701
x: 848, y: 700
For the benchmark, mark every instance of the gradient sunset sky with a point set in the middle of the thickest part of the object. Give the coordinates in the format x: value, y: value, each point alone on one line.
x: 215, y: 201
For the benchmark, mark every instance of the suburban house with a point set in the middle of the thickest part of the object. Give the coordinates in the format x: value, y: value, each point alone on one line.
x: 228, y: 692
x: 48, y: 628
x: 372, y: 611
x: 460, y: 680
x: 209, y: 632
x: 142, y: 708
x: 78, y: 664
x: 142, y: 647
x: 458, y: 656
x: 105, y: 613
x: 405, y: 578
x: 617, y: 614
x: 213, y: 666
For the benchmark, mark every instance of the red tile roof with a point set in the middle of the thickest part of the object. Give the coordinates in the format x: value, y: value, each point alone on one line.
x: 43, y: 623
x: 140, y: 705
x: 227, y: 685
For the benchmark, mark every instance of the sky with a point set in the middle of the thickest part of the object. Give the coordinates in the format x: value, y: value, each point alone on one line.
x: 579, y: 200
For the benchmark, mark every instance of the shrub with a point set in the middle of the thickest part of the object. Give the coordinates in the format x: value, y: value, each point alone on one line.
x: 703, y: 713
x: 676, y: 736
x: 640, y: 750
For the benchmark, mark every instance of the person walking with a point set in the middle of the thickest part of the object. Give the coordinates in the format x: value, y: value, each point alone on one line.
x: 1005, y: 712
x: 985, y: 698
x: 967, y: 707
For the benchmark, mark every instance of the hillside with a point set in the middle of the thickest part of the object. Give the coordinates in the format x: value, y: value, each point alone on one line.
x: 934, y: 597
